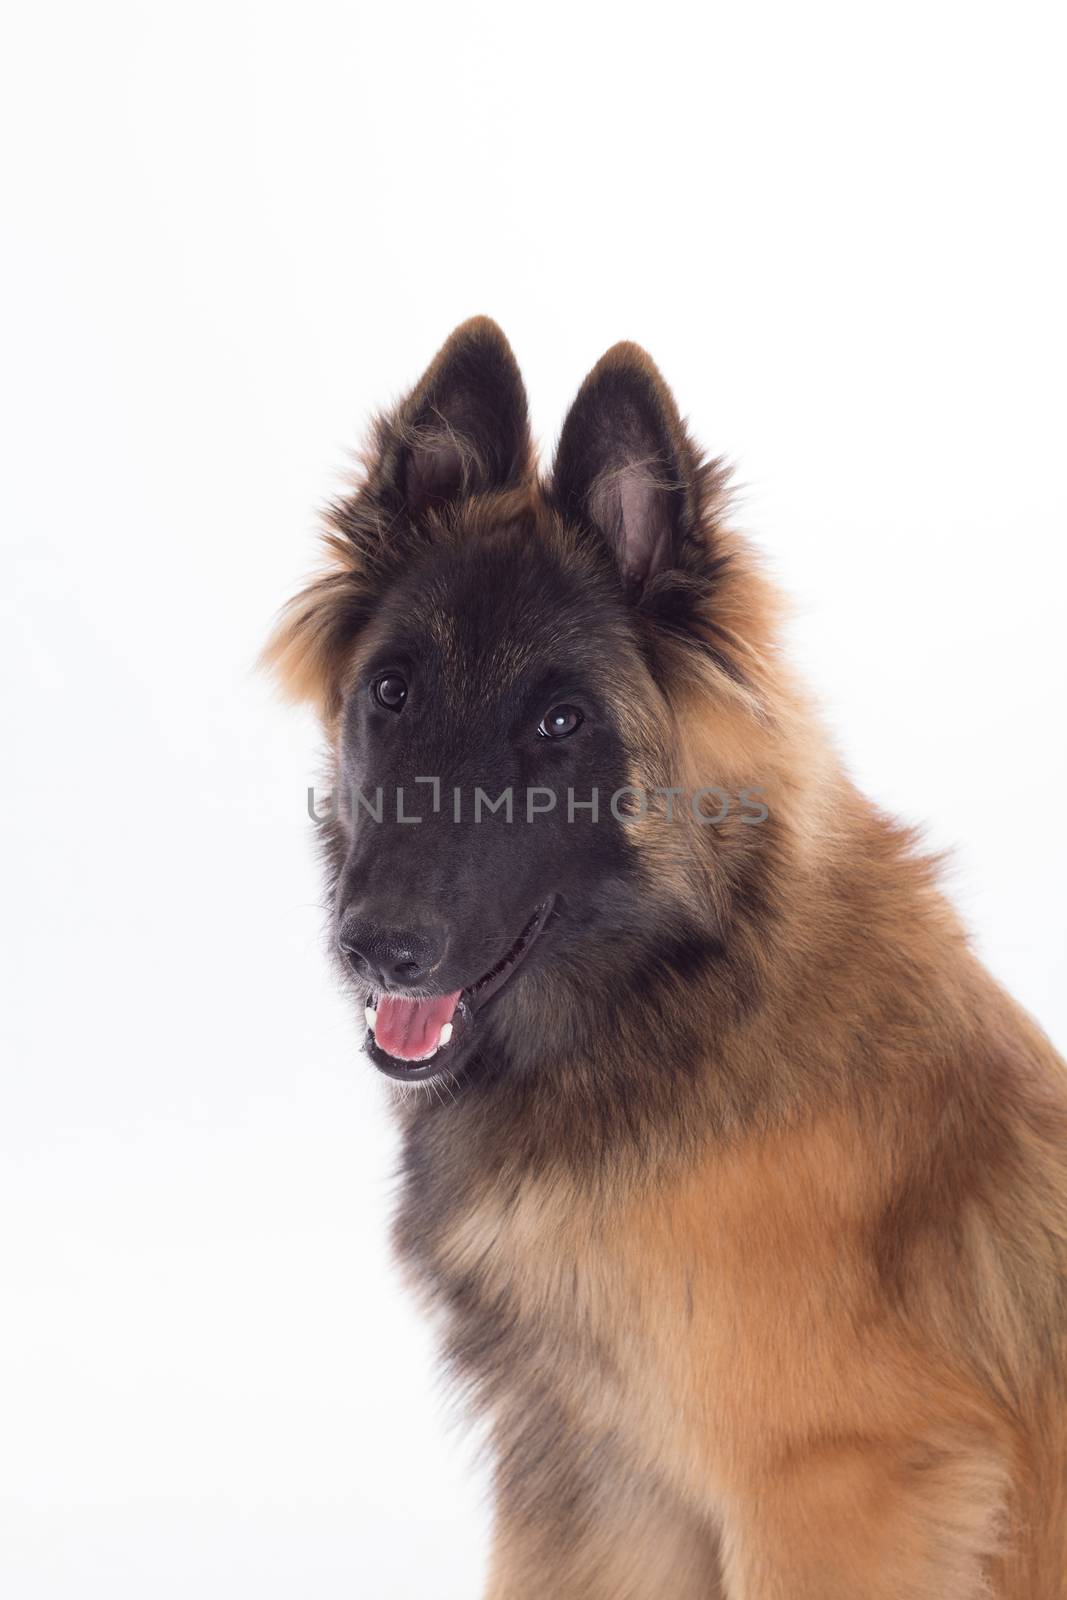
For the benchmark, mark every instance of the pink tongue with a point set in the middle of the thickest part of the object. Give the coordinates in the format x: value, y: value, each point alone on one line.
x: 409, y: 1029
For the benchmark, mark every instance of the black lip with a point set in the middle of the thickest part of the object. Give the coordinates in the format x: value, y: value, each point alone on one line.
x: 471, y: 1000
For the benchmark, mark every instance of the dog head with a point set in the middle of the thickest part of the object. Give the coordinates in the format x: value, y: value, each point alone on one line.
x: 508, y: 670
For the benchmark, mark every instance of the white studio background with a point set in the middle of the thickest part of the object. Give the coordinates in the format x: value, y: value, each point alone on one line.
x: 230, y: 231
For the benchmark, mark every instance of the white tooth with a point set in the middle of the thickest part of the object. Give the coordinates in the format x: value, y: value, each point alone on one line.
x: 446, y: 1034
x: 371, y: 1016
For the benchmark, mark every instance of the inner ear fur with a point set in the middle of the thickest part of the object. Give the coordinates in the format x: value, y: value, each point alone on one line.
x: 462, y: 430
x: 625, y: 468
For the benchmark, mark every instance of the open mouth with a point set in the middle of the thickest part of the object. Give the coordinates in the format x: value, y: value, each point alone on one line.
x: 414, y: 1038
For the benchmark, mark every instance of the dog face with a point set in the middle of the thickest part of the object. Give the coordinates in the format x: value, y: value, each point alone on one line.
x: 490, y: 674
x: 496, y: 663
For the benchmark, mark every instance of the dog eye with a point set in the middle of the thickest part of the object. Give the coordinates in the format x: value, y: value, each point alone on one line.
x: 390, y: 691
x: 560, y: 722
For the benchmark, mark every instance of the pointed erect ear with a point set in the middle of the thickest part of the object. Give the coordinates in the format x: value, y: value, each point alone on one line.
x: 462, y: 430
x: 625, y: 468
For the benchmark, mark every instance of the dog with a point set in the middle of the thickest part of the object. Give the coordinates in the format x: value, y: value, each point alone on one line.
x: 738, y: 1186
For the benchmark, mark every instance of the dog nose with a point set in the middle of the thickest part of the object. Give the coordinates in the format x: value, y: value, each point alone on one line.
x: 390, y: 958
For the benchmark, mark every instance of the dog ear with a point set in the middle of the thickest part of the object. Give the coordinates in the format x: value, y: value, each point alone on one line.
x: 625, y: 468
x: 462, y: 430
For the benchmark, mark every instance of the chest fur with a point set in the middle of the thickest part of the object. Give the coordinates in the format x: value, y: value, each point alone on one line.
x: 700, y: 1318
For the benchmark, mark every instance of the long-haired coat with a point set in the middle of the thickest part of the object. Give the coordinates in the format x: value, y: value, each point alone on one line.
x: 738, y: 1184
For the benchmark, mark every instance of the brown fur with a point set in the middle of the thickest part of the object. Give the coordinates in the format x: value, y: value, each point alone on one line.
x: 795, y: 1329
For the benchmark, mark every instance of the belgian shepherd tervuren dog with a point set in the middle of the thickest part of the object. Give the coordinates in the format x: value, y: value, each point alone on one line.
x: 740, y: 1187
